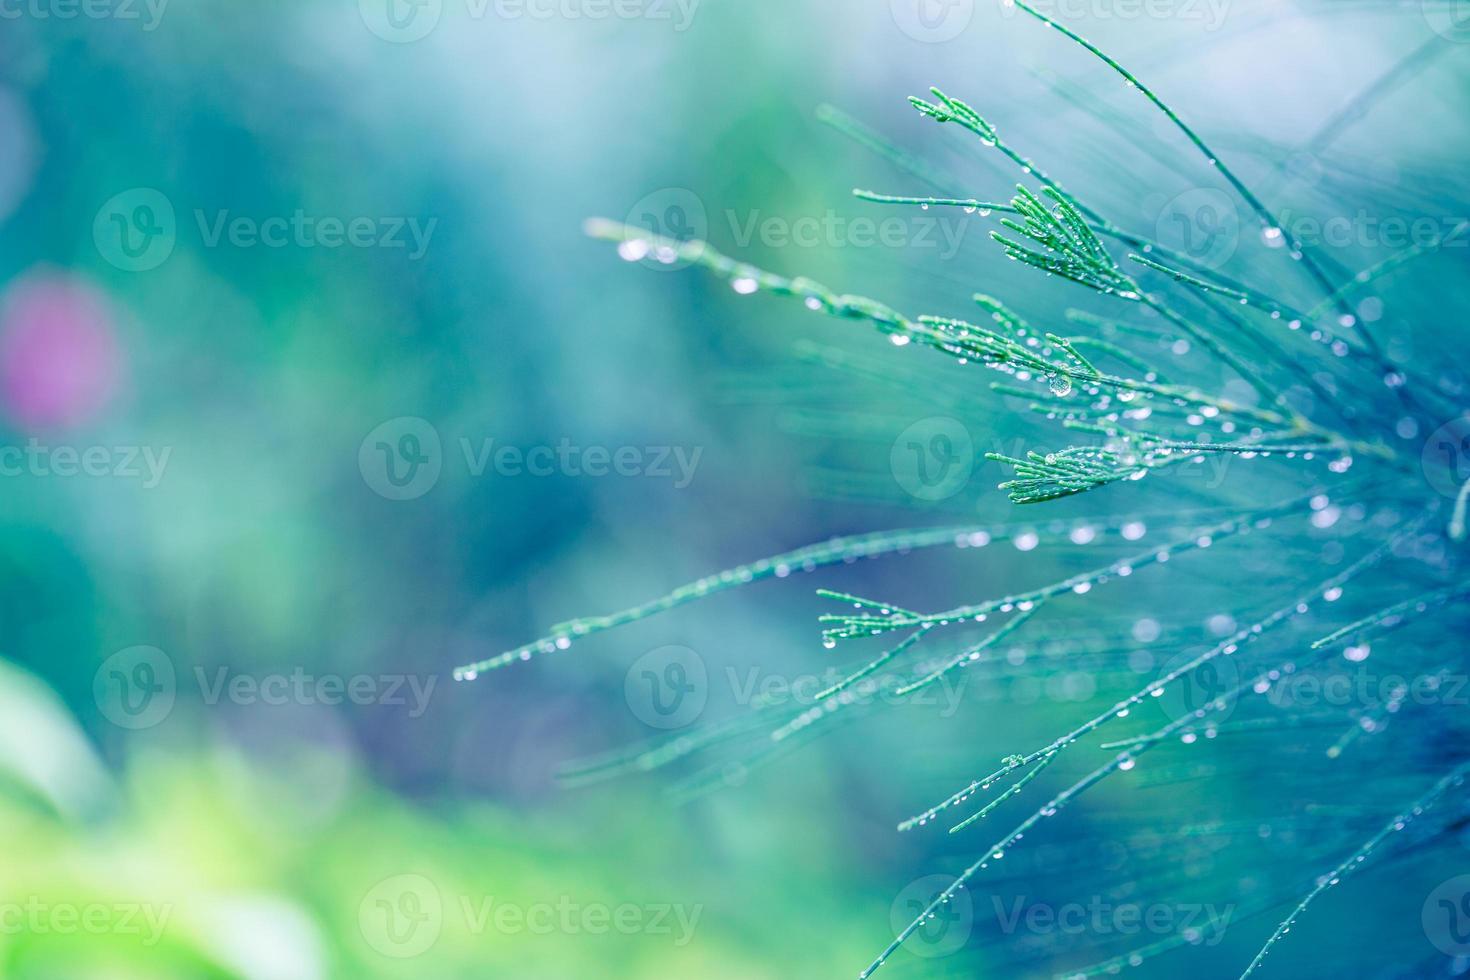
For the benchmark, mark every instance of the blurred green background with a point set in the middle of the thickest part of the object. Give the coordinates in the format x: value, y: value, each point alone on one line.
x: 246, y: 247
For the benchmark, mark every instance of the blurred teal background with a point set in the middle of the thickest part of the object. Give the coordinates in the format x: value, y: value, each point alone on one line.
x: 200, y: 386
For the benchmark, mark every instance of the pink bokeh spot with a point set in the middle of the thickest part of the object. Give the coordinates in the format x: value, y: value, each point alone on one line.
x: 59, y: 359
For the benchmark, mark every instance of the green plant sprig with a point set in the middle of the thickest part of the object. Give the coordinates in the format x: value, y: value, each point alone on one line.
x: 1075, y: 469
x: 1062, y: 243
x: 1067, y: 247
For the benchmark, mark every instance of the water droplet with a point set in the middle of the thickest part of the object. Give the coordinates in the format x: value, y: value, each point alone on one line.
x: 633, y: 250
